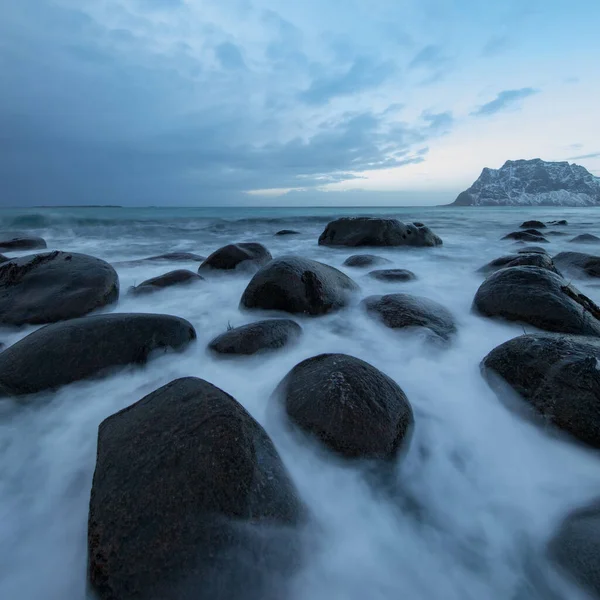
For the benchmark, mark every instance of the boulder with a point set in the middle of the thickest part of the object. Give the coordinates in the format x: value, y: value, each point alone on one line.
x: 367, y: 231
x: 177, y: 257
x: 23, y: 243
x: 350, y: 406
x: 177, y: 277
x: 526, y: 236
x: 556, y: 375
x: 537, y: 297
x: 3, y: 258
x: 556, y: 223
x: 365, y: 260
x: 586, y: 238
x: 61, y: 353
x: 392, y: 275
x: 256, y: 337
x: 405, y: 310
x: 287, y: 232
x: 578, y: 264
x: 54, y: 286
x: 533, y: 250
x: 189, y: 500
x: 533, y: 224
x: 298, y: 286
x: 543, y: 261
x: 245, y: 255
x: 556, y: 233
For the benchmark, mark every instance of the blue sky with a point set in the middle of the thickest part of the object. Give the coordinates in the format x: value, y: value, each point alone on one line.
x: 209, y: 102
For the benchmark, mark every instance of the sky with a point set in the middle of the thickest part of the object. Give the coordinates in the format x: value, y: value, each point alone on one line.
x: 282, y: 103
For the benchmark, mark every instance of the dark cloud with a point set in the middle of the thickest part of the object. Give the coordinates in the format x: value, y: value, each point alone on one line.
x: 584, y: 156
x: 503, y: 101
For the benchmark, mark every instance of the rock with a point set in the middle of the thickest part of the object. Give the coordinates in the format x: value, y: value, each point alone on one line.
x: 578, y: 264
x: 232, y: 256
x: 556, y: 223
x: 23, y: 243
x: 533, y: 224
x: 256, y: 337
x: 3, y: 258
x: 190, y: 499
x: 585, y: 238
x: 526, y: 236
x: 350, y: 406
x: 54, y: 286
x: 62, y: 353
x: 535, y: 259
x: 538, y: 297
x: 177, y: 257
x: 533, y: 250
x: 367, y: 231
x: 405, y: 310
x: 178, y: 277
x: 365, y: 260
x: 557, y: 376
x: 298, y: 285
x: 556, y: 233
x: 287, y: 232
x: 393, y: 275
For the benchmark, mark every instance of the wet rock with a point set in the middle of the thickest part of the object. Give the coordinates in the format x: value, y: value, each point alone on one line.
x: 586, y: 238
x: 556, y: 233
x: 578, y: 264
x: 23, y: 243
x: 256, y: 337
x: 190, y: 500
x: 365, y: 260
x: 177, y: 257
x: 3, y: 258
x: 54, y: 286
x: 350, y: 406
x: 170, y: 279
x: 538, y: 297
x: 298, y: 285
x: 556, y: 375
x: 366, y: 231
x: 405, y: 310
x: 532, y: 250
x: 392, y: 275
x: 533, y: 224
x: 62, y: 353
x: 526, y: 236
x: 247, y: 255
x: 287, y: 232
x: 556, y: 223
x: 543, y: 261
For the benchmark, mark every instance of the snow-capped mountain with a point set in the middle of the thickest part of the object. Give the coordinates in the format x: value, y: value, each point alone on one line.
x: 533, y: 182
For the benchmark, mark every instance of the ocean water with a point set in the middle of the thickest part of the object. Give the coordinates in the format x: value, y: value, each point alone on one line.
x: 490, y: 487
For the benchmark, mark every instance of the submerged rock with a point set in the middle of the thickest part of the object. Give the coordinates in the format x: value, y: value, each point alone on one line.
x: 256, y: 337
x: 392, y: 275
x: 189, y: 499
x: 533, y: 250
x: 170, y: 279
x: 533, y: 224
x: 177, y: 257
x: 367, y: 231
x: 350, y: 406
x: 535, y: 259
x: 578, y: 264
x: 526, y: 236
x: 232, y: 256
x: 365, y: 260
x: 54, y: 286
x: 586, y: 238
x: 287, y: 232
x: 23, y: 243
x: 62, y: 353
x: 556, y: 223
x: 538, y: 297
x: 298, y: 285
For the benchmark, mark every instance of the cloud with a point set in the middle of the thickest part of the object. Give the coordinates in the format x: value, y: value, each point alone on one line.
x: 430, y: 56
x: 503, y: 101
x: 438, y: 122
x: 584, y: 156
x: 495, y: 45
x: 230, y: 56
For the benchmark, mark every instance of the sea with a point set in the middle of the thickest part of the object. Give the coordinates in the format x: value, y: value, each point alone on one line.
x: 491, y: 487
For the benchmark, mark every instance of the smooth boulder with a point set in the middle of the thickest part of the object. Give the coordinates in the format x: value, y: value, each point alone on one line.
x: 287, y: 232
x: 369, y: 231
x: 365, y: 260
x: 398, y: 311
x: 556, y: 375
x: 392, y: 275
x: 578, y: 264
x: 190, y: 500
x: 350, y: 406
x: 299, y: 286
x: 537, y: 297
x: 233, y: 256
x: 54, y: 286
x: 526, y: 236
x: 586, y: 238
x: 23, y: 243
x: 533, y: 250
x: 61, y: 353
x: 170, y: 279
x: 560, y: 222
x: 533, y: 225
x: 535, y: 259
x: 270, y: 334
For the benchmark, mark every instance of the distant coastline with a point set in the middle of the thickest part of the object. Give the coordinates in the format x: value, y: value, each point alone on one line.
x: 77, y: 206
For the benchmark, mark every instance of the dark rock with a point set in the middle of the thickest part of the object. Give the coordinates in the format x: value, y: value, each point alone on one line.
x: 556, y: 233
x: 177, y: 257
x: 232, y: 256
x: 533, y: 231
x: 62, y: 353
x: 405, y: 310
x: 543, y: 261
x: 586, y: 238
x: 54, y: 286
x: 23, y: 243
x: 190, y: 500
x: 298, y: 285
x: 533, y: 224
x: 557, y: 375
x: 3, y: 258
x: 287, y: 232
x: 178, y: 277
x: 256, y: 337
x: 349, y: 405
x: 538, y: 297
x: 578, y: 264
x: 393, y: 275
x: 366, y: 231
x: 365, y: 260
x: 526, y: 236
x: 533, y: 250
x: 556, y: 223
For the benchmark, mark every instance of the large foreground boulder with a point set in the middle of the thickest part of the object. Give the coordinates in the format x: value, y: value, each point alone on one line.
x: 538, y: 297
x: 365, y: 260
x: 398, y: 311
x: 189, y: 501
x: 270, y: 334
x: 586, y: 238
x: 246, y: 255
x: 535, y: 259
x: 54, y: 286
x: 23, y: 243
x: 178, y: 277
x: 349, y: 405
x: 298, y: 285
x: 367, y: 231
x: 578, y: 264
x: 61, y: 353
x: 557, y: 375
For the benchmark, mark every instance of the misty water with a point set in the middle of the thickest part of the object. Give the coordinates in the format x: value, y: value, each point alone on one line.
x: 482, y: 489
